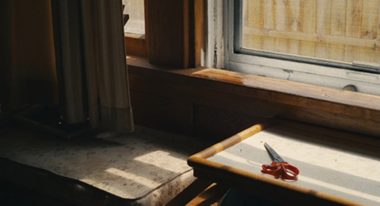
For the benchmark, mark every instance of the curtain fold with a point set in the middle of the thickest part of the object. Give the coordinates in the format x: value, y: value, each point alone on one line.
x: 92, y: 62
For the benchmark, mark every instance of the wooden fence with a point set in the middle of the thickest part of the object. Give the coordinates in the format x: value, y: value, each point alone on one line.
x: 340, y: 30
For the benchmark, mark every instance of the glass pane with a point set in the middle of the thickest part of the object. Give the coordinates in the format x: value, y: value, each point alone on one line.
x: 340, y: 30
x: 136, y: 22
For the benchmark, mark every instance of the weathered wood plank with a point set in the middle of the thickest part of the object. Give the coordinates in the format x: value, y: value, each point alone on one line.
x: 369, y: 26
x: 293, y: 24
x: 281, y: 21
x: 255, y: 19
x: 338, y: 28
x: 325, y: 39
x: 308, y: 16
x: 353, y: 16
x: 323, y: 26
x: 269, y: 24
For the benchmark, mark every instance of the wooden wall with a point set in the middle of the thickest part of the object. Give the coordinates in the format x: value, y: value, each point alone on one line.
x: 30, y: 63
x: 343, y: 30
x: 180, y: 104
x: 216, y: 104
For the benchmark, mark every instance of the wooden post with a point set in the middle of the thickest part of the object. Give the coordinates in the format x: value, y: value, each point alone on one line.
x: 167, y: 36
x: 174, y: 31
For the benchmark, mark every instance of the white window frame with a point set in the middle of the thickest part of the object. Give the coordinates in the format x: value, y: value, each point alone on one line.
x: 312, y: 73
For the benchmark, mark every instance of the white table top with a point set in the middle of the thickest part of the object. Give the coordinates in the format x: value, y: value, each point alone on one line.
x: 328, y: 163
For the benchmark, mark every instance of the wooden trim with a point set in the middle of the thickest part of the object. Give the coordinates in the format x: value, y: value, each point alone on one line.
x: 195, y: 195
x: 197, y: 35
x: 256, y: 184
x: 293, y: 88
x: 189, y: 90
x: 190, y: 192
x: 213, y: 195
x: 228, y: 142
x: 135, y: 45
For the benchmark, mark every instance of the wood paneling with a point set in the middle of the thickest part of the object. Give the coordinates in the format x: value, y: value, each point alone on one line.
x: 207, y: 121
x: 31, y: 76
x: 162, y: 111
x: 218, y: 103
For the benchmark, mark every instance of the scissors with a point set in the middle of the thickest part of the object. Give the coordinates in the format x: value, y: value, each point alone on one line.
x: 279, y: 167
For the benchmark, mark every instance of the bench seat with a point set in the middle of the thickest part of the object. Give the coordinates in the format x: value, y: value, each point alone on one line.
x: 147, y: 167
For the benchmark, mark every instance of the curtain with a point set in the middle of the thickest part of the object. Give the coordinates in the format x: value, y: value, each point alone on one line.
x: 91, y: 63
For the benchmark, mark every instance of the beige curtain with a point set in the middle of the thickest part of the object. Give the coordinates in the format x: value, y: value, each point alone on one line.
x: 91, y: 63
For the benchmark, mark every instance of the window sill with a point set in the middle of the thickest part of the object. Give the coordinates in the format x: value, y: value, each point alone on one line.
x: 346, y: 110
x: 303, y: 90
x: 135, y: 44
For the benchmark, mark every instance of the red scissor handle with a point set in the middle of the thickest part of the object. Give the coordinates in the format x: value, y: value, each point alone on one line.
x: 281, y: 170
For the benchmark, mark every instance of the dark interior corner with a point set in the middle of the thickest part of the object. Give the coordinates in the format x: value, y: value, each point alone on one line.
x: 11, y: 194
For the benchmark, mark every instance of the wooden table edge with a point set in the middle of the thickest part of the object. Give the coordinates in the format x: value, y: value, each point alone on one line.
x: 199, y: 162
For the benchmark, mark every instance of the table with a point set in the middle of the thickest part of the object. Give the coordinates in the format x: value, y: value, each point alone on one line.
x: 337, y: 168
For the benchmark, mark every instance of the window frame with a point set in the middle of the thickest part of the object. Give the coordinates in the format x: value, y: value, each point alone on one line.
x: 324, y: 73
x: 135, y: 44
x: 153, y: 81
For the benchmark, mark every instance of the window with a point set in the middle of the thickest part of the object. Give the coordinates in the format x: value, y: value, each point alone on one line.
x: 136, y: 22
x: 333, y: 43
x: 134, y: 29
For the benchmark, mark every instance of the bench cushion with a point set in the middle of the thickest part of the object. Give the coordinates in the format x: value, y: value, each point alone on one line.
x: 147, y: 167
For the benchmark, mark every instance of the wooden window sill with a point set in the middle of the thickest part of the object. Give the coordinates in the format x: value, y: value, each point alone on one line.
x: 346, y: 110
x: 349, y: 98
x: 135, y: 44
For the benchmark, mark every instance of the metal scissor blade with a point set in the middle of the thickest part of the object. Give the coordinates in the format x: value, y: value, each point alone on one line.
x: 273, y: 154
